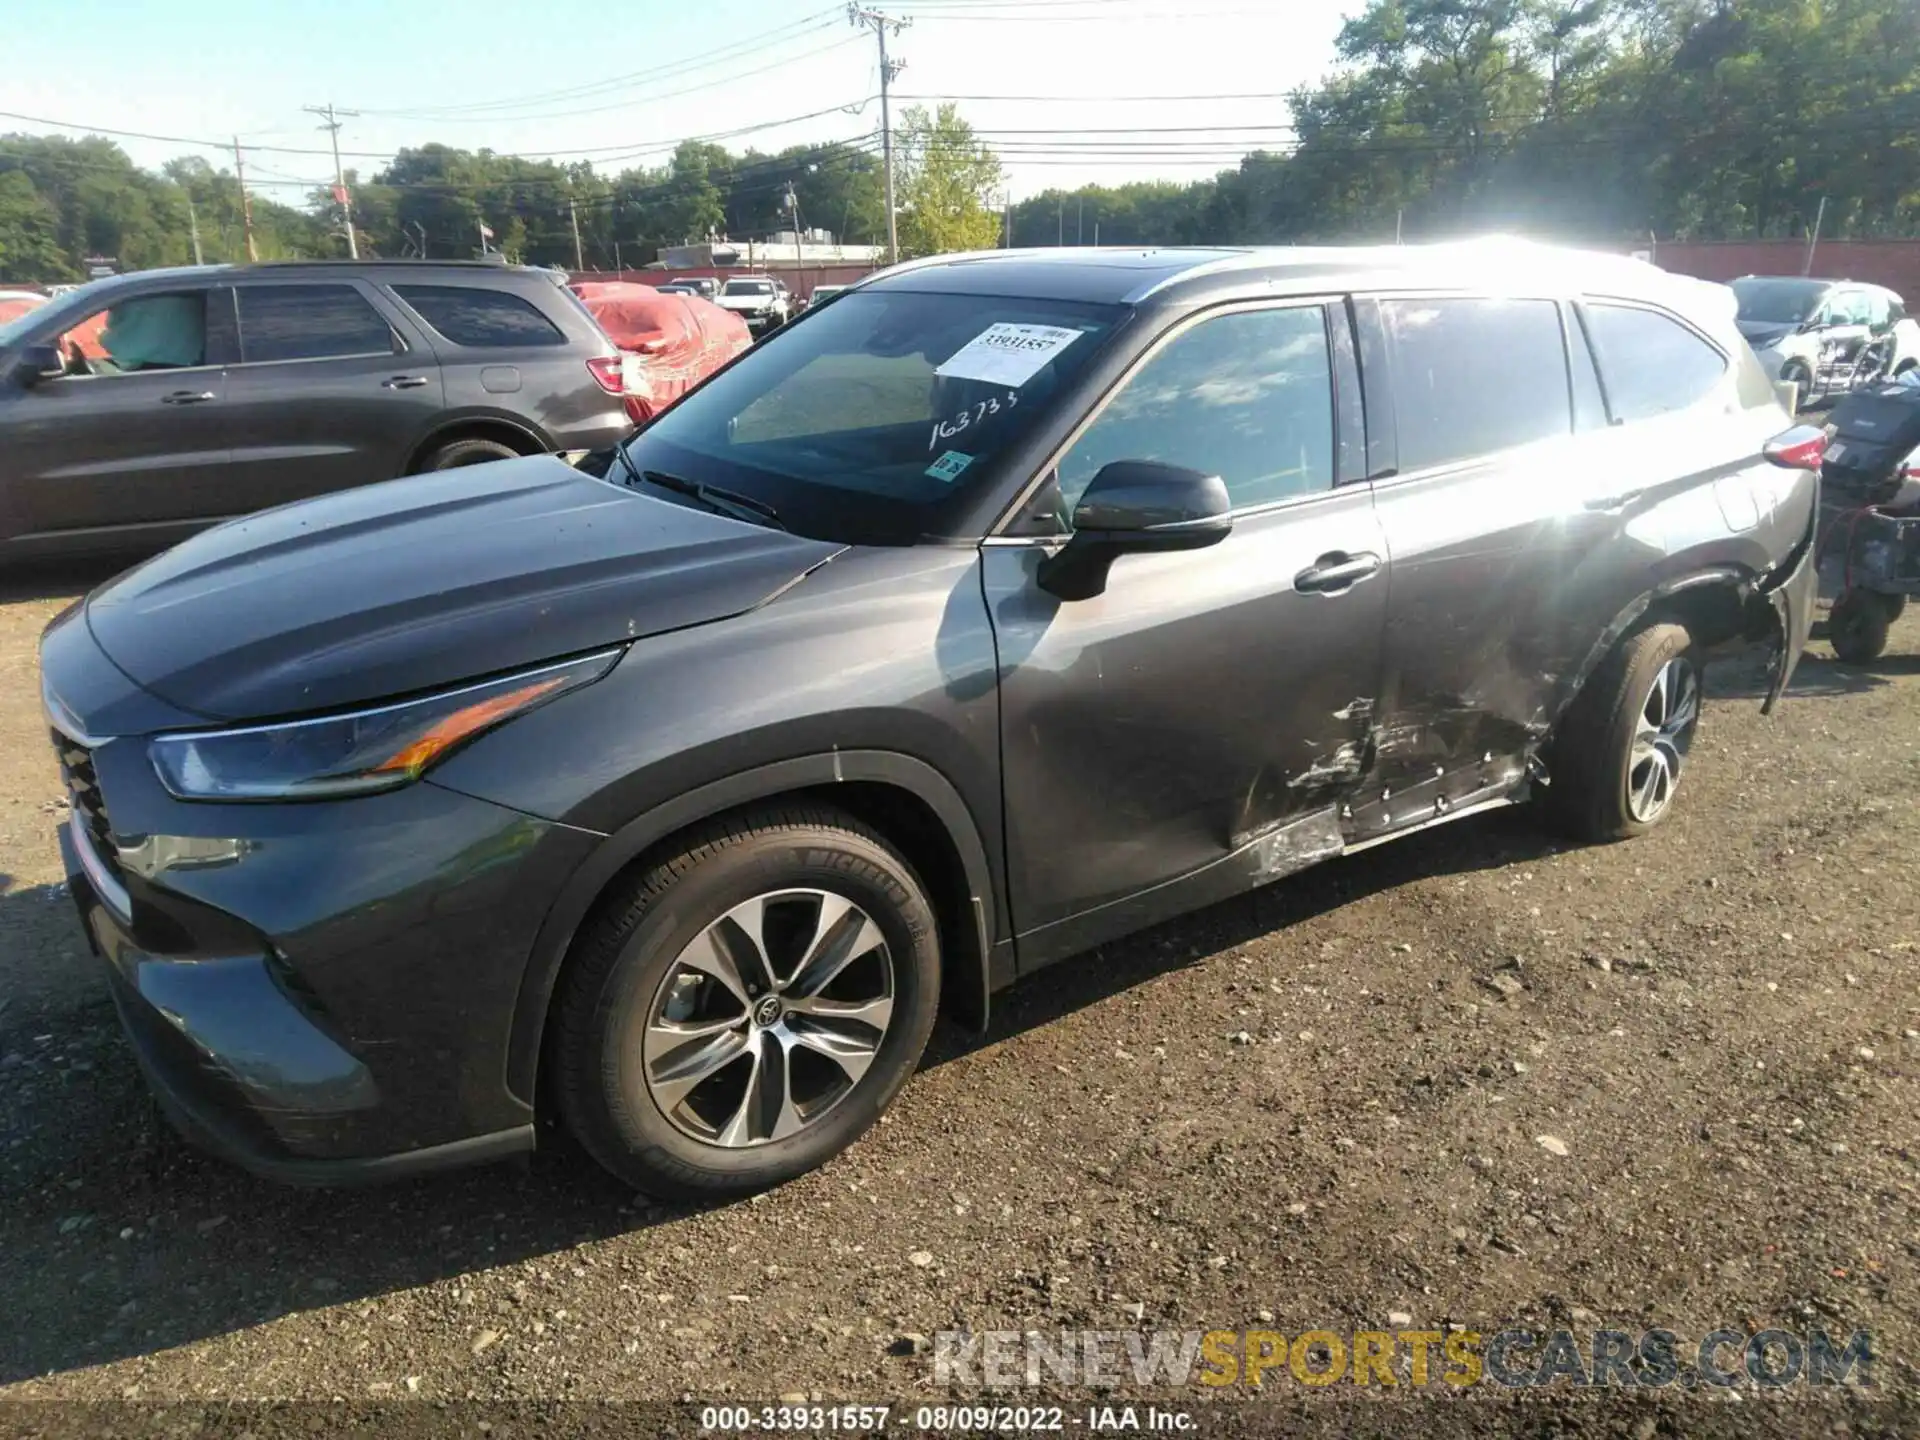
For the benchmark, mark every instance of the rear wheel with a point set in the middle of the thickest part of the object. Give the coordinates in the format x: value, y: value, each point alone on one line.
x: 1618, y: 757
x: 476, y: 451
x: 1858, y: 624
x: 749, y: 1006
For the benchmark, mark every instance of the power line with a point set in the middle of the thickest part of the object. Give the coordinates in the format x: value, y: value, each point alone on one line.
x: 735, y: 50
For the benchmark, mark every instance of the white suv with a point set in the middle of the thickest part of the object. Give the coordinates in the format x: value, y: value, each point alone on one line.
x: 1812, y: 332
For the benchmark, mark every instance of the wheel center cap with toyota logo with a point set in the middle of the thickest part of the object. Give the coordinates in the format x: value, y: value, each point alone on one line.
x: 767, y: 1011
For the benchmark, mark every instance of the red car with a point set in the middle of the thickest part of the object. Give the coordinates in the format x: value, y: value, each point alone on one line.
x: 673, y: 341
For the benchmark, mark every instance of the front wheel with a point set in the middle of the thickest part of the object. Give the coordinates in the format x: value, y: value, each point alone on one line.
x: 1858, y: 626
x: 1618, y: 757
x: 748, y: 1007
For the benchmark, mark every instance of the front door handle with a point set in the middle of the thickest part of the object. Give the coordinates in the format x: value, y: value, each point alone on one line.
x: 187, y: 397
x: 1335, y: 572
x: 404, y: 382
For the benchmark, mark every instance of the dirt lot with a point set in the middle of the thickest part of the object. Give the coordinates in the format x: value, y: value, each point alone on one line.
x: 1311, y: 1108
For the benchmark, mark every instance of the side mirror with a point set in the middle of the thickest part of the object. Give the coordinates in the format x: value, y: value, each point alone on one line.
x: 39, y: 362
x: 1803, y: 447
x: 1136, y: 506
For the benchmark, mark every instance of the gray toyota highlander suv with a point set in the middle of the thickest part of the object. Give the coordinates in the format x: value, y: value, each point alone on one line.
x: 138, y: 409
x: 1007, y: 604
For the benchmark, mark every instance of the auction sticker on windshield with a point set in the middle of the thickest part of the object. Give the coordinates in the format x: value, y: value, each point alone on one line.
x: 1006, y: 354
x: 949, y: 466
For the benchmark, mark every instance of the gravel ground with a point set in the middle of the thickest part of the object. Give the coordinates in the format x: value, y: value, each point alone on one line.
x: 1473, y: 1078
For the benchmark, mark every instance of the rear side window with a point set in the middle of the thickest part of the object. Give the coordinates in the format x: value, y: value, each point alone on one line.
x: 1473, y: 377
x: 1247, y: 397
x: 1652, y: 363
x: 309, y: 322
x: 487, y: 319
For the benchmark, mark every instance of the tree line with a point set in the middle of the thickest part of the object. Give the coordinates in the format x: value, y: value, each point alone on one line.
x: 1594, y: 120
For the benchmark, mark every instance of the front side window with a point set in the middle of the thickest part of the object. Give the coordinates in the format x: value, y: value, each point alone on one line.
x: 1246, y: 396
x: 1652, y: 363
x: 149, y: 332
x: 309, y: 322
x: 488, y: 319
x: 879, y: 418
x: 1472, y: 377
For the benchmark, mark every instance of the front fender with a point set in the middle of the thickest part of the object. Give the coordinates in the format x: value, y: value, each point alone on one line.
x: 641, y: 834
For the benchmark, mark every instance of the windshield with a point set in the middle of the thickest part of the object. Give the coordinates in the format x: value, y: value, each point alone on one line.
x: 1778, y: 302
x: 877, y: 419
x: 748, y: 287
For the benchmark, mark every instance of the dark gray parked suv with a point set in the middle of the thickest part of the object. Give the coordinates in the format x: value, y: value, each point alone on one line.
x: 1005, y: 605
x: 136, y: 410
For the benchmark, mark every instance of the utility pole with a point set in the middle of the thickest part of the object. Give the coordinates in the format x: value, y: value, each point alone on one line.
x: 1009, y: 219
x: 246, y: 201
x: 858, y: 15
x: 799, y: 255
x: 1813, y: 240
x: 193, y: 229
x: 332, y: 126
x: 1080, y: 238
x: 579, y: 259
x: 1060, y: 233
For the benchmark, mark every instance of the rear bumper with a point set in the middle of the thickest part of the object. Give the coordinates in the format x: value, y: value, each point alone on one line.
x: 1793, y: 600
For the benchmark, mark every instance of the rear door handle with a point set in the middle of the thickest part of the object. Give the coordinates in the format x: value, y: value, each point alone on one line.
x: 1607, y: 503
x: 187, y: 397
x: 1335, y: 572
x: 404, y: 382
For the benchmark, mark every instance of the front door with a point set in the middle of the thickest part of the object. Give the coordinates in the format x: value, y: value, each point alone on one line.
x: 131, y: 441
x: 1195, y: 729
x: 330, y: 393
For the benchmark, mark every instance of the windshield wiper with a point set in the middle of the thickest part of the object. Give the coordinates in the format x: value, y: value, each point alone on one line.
x: 723, y: 502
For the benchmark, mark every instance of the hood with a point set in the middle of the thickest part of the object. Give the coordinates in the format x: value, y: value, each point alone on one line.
x: 1762, y: 333
x: 424, y: 582
x: 744, y: 302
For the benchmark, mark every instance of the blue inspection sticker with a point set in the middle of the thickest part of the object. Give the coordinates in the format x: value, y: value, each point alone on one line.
x: 949, y: 466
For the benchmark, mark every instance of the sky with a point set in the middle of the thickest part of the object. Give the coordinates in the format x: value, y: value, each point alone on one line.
x: 620, y: 83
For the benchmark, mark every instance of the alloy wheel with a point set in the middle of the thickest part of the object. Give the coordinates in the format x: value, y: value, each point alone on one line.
x: 1661, y: 739
x: 768, y: 1018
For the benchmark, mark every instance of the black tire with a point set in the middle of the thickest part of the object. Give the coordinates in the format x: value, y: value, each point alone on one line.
x: 621, y: 964
x: 1592, y: 755
x: 456, y: 453
x: 1857, y: 626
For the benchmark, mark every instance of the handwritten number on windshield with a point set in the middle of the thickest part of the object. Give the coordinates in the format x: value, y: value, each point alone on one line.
x: 972, y: 415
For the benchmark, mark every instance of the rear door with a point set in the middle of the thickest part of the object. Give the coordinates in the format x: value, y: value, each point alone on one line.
x: 501, y: 353
x: 335, y: 388
x: 1532, y: 508
x: 1494, y: 515
x: 135, y: 438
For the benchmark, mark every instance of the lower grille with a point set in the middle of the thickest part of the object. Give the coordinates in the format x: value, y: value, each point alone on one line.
x: 89, y: 808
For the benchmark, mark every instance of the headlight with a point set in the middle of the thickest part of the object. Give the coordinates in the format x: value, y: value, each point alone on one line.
x: 357, y: 753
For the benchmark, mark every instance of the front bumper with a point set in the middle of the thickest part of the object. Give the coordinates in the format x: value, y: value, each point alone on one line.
x: 321, y: 993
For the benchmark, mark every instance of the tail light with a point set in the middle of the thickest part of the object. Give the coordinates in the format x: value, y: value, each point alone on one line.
x: 1801, y: 448
x: 611, y: 372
